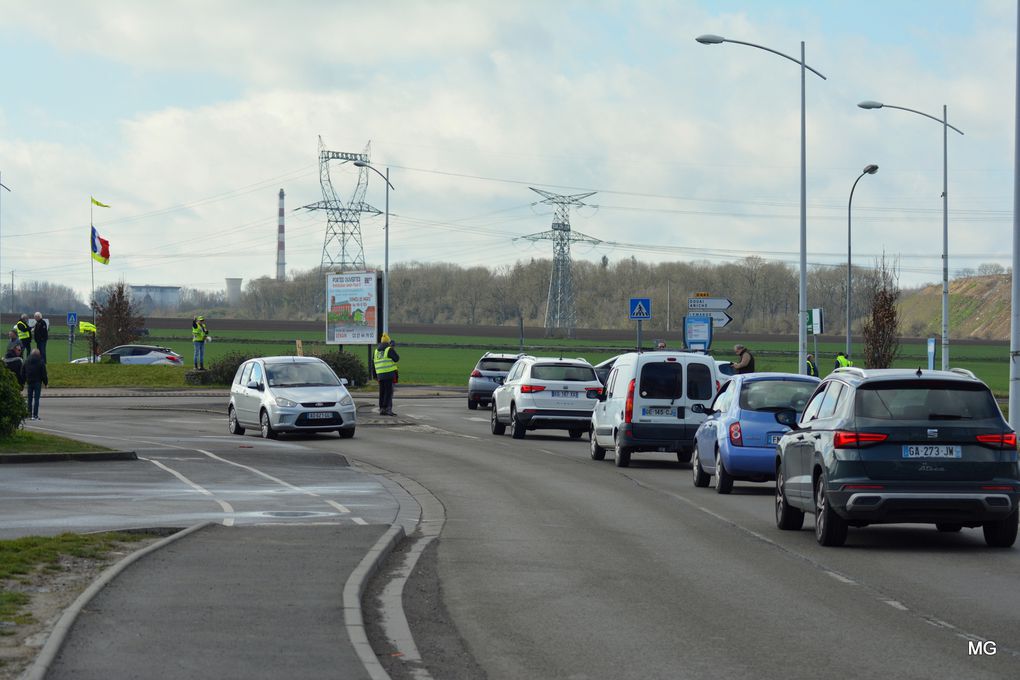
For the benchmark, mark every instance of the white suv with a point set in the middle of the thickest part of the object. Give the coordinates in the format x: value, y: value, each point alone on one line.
x: 548, y: 394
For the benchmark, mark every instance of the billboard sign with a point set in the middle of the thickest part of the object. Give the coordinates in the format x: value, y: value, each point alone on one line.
x: 351, y: 308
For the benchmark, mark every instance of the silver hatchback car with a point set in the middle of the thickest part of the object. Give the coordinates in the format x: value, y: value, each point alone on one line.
x: 290, y: 394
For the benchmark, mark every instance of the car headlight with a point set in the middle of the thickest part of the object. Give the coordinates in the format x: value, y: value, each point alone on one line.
x: 346, y: 401
x: 285, y: 403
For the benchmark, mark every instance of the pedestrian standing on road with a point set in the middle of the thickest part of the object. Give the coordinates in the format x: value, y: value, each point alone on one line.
x: 41, y: 333
x: 385, y: 362
x: 812, y: 367
x: 745, y: 360
x: 12, y: 342
x: 199, y: 336
x: 13, y: 361
x: 35, y: 377
x: 24, y: 335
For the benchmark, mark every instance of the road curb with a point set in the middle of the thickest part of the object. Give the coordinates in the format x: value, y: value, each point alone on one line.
x: 354, y: 589
x: 43, y: 661
x: 57, y: 457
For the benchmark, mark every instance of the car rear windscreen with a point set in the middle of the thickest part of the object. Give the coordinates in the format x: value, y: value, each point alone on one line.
x: 925, y: 400
x: 776, y: 395
x: 568, y: 372
x: 496, y: 364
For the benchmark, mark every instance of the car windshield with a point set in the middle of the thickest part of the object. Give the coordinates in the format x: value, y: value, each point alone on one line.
x: 496, y: 364
x: 300, y: 375
x: 568, y: 372
x: 775, y: 395
x: 925, y: 400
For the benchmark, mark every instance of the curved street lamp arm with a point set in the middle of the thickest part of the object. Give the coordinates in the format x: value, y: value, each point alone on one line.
x: 922, y: 113
x: 785, y: 56
x: 376, y: 171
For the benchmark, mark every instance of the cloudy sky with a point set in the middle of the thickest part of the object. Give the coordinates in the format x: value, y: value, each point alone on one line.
x: 187, y: 117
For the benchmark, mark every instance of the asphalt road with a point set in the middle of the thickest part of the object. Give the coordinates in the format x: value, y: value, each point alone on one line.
x: 552, y: 565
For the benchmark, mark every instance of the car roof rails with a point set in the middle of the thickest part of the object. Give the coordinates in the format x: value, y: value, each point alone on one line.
x: 851, y: 369
x: 964, y: 372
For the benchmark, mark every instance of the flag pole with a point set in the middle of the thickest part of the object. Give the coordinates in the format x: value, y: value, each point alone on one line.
x: 92, y: 267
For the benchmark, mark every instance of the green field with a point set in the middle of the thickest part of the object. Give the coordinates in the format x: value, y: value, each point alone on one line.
x: 447, y: 360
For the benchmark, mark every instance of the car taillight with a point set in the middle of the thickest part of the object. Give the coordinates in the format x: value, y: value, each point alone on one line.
x: 628, y: 406
x: 596, y: 390
x: 1004, y: 440
x: 528, y: 389
x: 736, y: 437
x: 476, y: 373
x: 173, y: 358
x: 997, y: 487
x: 843, y: 439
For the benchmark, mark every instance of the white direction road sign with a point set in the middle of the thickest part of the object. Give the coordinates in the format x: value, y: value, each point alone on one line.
x: 719, y: 319
x: 709, y: 303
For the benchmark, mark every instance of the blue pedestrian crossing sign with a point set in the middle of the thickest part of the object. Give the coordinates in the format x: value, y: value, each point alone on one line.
x: 641, y: 309
x: 72, y: 319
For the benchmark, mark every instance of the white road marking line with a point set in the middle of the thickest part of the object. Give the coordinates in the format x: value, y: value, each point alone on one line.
x: 227, y: 521
x: 339, y: 507
x: 841, y: 578
x: 476, y: 419
x: 896, y: 605
x: 358, y: 520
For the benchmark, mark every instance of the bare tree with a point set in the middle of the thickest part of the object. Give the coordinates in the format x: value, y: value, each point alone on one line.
x: 881, y: 328
x: 118, y: 321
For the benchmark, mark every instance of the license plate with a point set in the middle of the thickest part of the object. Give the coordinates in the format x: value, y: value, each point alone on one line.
x: 658, y: 411
x: 562, y: 394
x: 932, y: 451
x: 320, y: 416
x: 774, y: 438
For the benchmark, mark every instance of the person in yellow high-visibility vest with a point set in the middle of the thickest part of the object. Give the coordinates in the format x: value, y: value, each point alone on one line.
x: 385, y: 362
x: 842, y: 361
x: 199, y: 336
x: 24, y: 335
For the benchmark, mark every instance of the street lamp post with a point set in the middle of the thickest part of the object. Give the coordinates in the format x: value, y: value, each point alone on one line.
x: 4, y: 186
x: 945, y: 213
x: 868, y: 170
x: 386, y: 247
x: 802, y: 302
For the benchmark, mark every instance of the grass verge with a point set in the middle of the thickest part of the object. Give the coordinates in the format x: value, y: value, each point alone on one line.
x: 25, y: 560
x: 24, y: 441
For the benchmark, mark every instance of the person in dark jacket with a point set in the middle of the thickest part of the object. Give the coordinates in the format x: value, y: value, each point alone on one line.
x: 385, y: 361
x: 746, y: 360
x: 41, y: 333
x: 14, y: 363
x: 35, y: 377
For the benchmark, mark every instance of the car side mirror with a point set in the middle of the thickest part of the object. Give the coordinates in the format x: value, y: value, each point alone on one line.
x: 701, y: 408
x: 252, y: 385
x: 787, y: 417
x: 343, y: 381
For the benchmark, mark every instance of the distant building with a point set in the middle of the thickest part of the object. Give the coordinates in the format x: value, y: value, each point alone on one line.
x: 156, y: 297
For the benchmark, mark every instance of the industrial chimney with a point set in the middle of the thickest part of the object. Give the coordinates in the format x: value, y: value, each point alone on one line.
x: 281, y: 263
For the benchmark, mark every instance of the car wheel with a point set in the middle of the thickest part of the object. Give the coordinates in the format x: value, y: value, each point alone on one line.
x: 267, y: 429
x: 597, y: 452
x: 1001, y: 533
x: 233, y: 427
x: 576, y: 434
x: 830, y: 528
x: 346, y: 433
x: 723, y: 480
x: 497, y: 427
x: 948, y: 527
x: 622, y: 453
x: 516, y: 426
x: 472, y: 404
x: 684, y: 455
x: 700, y: 476
x: 788, y: 518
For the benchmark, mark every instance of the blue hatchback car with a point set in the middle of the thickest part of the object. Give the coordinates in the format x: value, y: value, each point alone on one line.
x: 738, y: 439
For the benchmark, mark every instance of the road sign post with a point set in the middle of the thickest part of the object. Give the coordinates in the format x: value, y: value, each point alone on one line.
x: 72, y: 323
x: 702, y: 309
x: 640, y: 310
x: 697, y: 333
x: 815, y: 326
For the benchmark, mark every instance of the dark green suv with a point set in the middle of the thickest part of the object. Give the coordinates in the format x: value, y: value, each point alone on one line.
x: 899, y: 446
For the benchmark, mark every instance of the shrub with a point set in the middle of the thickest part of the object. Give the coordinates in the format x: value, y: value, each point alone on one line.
x: 346, y: 365
x: 13, y: 409
x: 223, y: 370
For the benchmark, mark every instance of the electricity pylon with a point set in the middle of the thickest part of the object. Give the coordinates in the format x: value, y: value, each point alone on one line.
x: 560, y: 313
x: 341, y: 247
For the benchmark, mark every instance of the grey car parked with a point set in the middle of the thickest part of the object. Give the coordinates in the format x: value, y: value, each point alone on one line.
x: 290, y: 394
x: 899, y: 446
x: 488, y: 374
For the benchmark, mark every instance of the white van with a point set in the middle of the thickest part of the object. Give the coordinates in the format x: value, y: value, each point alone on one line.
x: 646, y: 404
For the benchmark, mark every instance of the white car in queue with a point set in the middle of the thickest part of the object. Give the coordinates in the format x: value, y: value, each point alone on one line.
x: 290, y: 394
x: 545, y: 393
